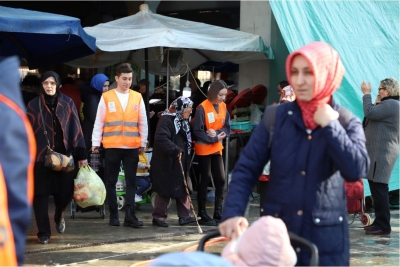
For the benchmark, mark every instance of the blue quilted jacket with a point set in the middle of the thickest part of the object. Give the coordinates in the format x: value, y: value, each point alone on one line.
x: 306, y: 188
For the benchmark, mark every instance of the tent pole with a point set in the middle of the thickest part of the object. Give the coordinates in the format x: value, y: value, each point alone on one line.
x: 146, y: 66
x: 166, y: 100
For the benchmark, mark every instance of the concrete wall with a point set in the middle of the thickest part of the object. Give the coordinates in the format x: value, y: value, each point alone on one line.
x: 255, y: 17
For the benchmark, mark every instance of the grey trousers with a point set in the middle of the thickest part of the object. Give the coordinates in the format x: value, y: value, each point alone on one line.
x: 161, y: 207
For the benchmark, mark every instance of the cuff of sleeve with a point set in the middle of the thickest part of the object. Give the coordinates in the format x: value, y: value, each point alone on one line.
x: 80, y: 153
x: 366, y: 96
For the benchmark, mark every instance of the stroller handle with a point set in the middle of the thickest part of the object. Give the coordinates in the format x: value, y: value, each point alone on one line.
x: 314, y: 261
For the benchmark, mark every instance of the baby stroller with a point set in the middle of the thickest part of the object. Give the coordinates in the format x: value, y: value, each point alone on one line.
x: 96, y: 161
x: 356, y: 201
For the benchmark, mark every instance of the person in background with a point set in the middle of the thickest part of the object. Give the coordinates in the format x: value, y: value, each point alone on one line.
x: 141, y: 87
x: 142, y: 175
x: 211, y: 126
x: 17, y: 158
x: 314, y: 148
x: 29, y: 86
x: 65, y: 136
x: 170, y: 162
x: 69, y: 89
x: 287, y: 95
x: 121, y: 126
x: 381, y: 126
x: 281, y: 85
x: 71, y: 74
x: 90, y: 97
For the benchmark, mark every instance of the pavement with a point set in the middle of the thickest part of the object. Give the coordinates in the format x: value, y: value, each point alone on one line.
x: 89, y: 240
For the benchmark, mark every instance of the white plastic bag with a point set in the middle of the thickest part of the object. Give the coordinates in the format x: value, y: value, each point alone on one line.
x: 89, y: 189
x: 256, y: 114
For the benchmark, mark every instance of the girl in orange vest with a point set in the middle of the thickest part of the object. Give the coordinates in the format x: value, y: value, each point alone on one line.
x: 211, y: 126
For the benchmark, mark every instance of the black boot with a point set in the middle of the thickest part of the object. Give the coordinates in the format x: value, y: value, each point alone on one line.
x: 130, y: 218
x: 205, y: 219
x: 114, y: 221
x: 218, y: 209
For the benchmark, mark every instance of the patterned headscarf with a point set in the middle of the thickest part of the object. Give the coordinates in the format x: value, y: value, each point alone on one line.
x: 178, y: 106
x: 328, y: 72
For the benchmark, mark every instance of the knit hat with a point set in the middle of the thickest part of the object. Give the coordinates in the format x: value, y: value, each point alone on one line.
x: 265, y: 243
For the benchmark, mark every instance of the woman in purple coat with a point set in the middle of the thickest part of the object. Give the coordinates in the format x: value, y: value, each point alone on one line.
x: 316, y: 145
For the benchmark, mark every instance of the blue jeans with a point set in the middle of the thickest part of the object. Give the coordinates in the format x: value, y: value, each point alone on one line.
x: 142, y: 183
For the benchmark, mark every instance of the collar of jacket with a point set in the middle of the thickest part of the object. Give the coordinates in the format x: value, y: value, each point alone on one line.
x: 396, y: 97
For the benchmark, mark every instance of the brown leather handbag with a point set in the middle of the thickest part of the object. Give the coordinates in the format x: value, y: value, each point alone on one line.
x: 54, y: 160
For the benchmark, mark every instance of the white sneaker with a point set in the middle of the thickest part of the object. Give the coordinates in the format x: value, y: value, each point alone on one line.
x: 138, y: 198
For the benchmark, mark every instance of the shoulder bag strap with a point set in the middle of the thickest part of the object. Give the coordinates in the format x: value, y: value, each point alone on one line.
x: 269, y: 121
x: 44, y: 125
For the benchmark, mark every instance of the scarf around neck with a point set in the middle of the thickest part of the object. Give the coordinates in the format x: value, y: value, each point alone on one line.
x: 179, y: 105
x: 328, y: 72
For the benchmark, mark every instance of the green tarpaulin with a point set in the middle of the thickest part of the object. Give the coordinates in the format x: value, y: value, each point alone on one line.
x: 366, y: 35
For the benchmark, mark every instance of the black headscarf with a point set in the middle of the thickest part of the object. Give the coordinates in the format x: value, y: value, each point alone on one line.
x: 50, y: 99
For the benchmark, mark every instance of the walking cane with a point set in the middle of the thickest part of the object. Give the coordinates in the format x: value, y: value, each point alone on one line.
x: 199, y: 230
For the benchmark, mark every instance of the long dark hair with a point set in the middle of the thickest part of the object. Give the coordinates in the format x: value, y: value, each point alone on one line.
x: 215, y: 87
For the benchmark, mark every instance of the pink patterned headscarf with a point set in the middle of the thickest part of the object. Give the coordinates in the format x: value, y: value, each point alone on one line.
x: 328, y: 72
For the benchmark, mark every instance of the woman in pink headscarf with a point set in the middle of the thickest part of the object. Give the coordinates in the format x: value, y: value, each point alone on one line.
x: 313, y: 145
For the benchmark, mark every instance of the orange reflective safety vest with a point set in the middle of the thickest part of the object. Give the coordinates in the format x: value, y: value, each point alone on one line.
x: 213, y: 120
x: 121, y: 128
x: 7, y: 246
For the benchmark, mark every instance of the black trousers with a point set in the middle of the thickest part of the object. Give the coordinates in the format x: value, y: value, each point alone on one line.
x: 41, y: 209
x: 380, y: 194
x: 129, y: 158
x: 211, y: 164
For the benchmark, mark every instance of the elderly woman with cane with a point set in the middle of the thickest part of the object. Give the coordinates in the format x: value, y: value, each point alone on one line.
x: 170, y: 163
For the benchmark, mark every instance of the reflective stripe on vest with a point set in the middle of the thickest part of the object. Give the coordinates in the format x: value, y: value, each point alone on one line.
x: 218, y: 123
x: 121, y: 128
x: 7, y: 246
x: 31, y: 143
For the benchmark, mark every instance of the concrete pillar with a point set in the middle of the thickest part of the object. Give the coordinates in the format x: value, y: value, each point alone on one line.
x: 255, y: 17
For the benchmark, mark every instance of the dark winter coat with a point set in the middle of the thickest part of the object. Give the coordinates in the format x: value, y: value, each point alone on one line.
x: 306, y: 187
x: 90, y: 98
x: 166, y: 173
x: 382, y: 133
x: 49, y: 182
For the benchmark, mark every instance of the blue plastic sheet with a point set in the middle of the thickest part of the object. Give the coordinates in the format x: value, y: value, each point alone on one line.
x: 366, y: 35
x: 43, y: 39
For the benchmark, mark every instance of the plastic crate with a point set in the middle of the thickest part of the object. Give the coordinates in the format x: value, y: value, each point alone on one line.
x: 241, y: 125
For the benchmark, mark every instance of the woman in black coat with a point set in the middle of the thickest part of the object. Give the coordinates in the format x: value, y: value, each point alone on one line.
x: 65, y: 136
x: 90, y: 97
x: 172, y: 144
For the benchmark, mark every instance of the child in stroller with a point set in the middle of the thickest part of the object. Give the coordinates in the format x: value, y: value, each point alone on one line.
x: 265, y: 243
